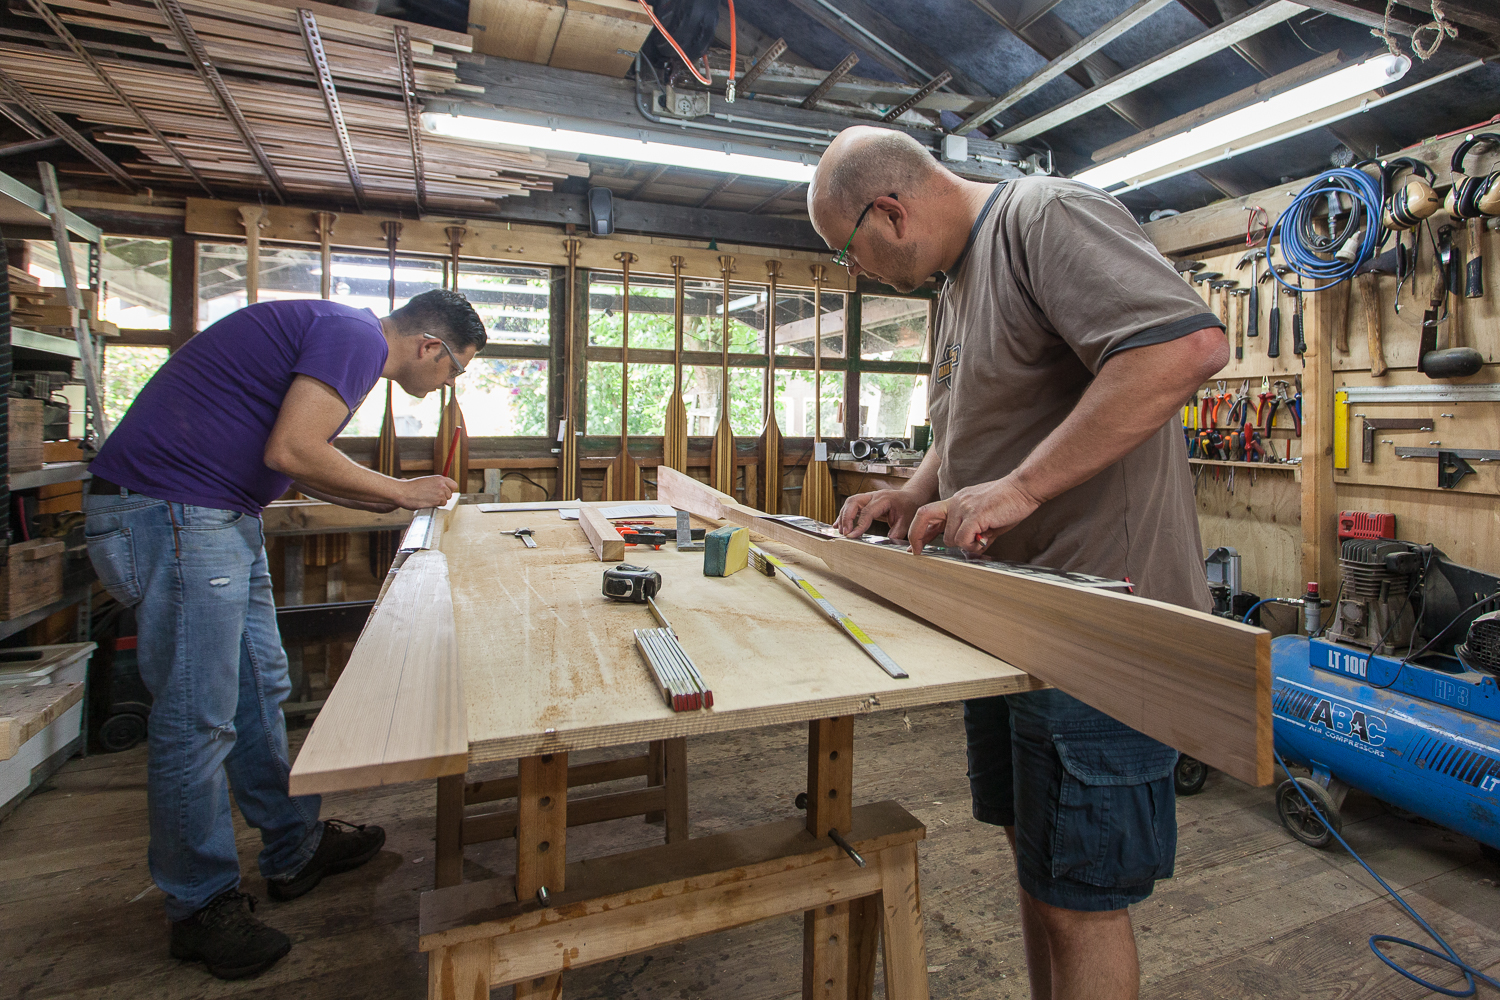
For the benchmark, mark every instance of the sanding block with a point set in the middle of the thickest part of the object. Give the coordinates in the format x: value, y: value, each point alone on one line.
x: 726, y: 551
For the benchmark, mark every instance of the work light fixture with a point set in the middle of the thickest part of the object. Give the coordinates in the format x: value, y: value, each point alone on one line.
x: 641, y: 150
x: 1217, y: 138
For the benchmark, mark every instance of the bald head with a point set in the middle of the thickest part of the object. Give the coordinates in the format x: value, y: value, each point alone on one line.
x: 862, y: 164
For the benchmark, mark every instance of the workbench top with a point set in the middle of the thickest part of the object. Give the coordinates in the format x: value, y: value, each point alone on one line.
x: 537, y: 660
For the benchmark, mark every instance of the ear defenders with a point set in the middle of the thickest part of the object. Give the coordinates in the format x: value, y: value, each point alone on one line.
x: 1414, y: 200
x: 1472, y: 197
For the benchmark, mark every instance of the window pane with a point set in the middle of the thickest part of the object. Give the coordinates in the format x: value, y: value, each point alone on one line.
x: 890, y: 404
x: 502, y: 398
x: 137, y: 277
x: 747, y: 400
x: 360, y: 280
x: 794, y: 324
x: 514, y: 302
x: 892, y: 329
x: 703, y: 317
x: 794, y: 412
x: 414, y: 417
x: 603, y: 416
x: 701, y: 388
x: 651, y: 320
x: 126, y: 371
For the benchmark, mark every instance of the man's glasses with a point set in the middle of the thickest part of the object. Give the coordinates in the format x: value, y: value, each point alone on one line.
x: 842, y: 257
x: 458, y: 369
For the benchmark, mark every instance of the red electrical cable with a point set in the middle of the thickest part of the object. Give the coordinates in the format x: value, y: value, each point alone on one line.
x: 704, y: 77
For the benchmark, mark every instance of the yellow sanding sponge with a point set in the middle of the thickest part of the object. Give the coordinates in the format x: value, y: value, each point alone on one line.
x: 726, y: 551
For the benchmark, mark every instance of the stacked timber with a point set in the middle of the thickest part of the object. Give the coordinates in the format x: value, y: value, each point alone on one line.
x: 46, y: 310
x: 259, y: 50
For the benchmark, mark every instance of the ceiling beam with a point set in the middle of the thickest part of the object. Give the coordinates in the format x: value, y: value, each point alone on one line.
x: 1050, y: 36
x: 781, y: 193
x: 187, y: 37
x: 758, y: 41
x: 651, y: 179
x: 682, y: 221
x: 910, y: 45
x: 717, y: 189
x: 842, y: 28
x: 1029, y: 10
x: 1066, y: 61
x: 312, y: 39
x: 1169, y: 62
x: 87, y: 58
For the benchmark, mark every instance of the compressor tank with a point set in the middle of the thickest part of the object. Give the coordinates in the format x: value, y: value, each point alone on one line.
x: 1422, y: 737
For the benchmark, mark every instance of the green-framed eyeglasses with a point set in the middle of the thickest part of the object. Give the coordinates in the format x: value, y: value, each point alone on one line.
x: 842, y: 257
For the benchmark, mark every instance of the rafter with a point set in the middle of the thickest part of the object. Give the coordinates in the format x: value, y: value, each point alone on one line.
x: 36, y: 109
x: 909, y: 44
x: 717, y: 189
x: 894, y: 62
x: 651, y: 179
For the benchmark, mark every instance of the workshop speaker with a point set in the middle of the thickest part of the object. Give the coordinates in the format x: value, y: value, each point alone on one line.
x: 601, y: 211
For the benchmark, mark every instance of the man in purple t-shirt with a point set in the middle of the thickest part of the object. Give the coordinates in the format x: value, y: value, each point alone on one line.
x: 245, y: 410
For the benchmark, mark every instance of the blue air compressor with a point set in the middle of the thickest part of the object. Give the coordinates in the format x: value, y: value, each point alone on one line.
x: 1398, y: 698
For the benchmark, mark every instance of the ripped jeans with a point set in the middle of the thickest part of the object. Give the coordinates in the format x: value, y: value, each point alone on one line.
x: 211, y: 656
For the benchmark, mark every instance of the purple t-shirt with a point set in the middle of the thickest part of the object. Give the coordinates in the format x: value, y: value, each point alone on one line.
x: 197, y: 432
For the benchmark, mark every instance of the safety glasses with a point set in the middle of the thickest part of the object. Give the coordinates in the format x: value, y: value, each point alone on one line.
x: 842, y: 257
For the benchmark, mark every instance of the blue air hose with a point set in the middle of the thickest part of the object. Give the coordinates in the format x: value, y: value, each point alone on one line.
x: 1447, y: 955
x: 1329, y: 258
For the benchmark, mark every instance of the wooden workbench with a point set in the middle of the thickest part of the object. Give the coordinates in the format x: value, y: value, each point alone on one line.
x: 532, y: 662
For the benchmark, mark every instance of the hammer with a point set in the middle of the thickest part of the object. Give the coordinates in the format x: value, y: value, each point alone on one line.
x: 1273, y: 326
x: 1369, y: 300
x: 1187, y: 267
x: 1199, y: 277
x: 1224, y: 285
x: 1239, y: 340
x: 1253, y: 258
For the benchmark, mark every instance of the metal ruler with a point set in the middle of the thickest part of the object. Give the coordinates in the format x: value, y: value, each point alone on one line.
x: 1421, y: 393
x: 843, y: 621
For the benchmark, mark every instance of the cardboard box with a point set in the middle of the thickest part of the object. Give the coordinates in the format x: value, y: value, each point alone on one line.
x: 25, y: 454
x: 33, y: 576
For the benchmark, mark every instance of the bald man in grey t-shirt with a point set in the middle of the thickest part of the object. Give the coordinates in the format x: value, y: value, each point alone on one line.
x: 1065, y: 348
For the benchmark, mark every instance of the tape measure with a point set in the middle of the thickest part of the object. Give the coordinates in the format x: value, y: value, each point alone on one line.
x: 631, y: 583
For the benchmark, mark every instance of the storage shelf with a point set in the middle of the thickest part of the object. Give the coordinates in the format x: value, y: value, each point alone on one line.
x: 76, y: 596
x: 1264, y: 466
x: 43, y: 343
x: 50, y: 474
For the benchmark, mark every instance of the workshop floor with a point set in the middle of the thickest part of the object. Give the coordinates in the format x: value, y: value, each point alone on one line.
x: 1251, y: 913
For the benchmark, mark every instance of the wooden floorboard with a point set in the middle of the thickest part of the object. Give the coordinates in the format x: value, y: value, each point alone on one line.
x: 1251, y: 913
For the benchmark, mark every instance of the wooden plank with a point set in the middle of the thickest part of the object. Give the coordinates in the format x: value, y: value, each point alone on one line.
x: 581, y: 812
x: 448, y: 867
x: 397, y: 711
x: 674, y: 753
x: 517, y: 29
x: 549, y: 663
x: 496, y: 789
x: 1320, y: 512
x: 905, y: 943
x: 830, y: 787
x: 600, y: 36
x: 541, y: 847
x: 26, y: 711
x: 602, y: 535
x: 1191, y: 680
x: 662, y: 872
x: 312, y: 517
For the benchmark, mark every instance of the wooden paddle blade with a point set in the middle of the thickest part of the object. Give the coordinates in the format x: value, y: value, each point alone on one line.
x: 1195, y: 682
x: 622, y: 480
x: 721, y: 460
x: 770, y: 461
x: 817, y: 493
x: 675, y: 435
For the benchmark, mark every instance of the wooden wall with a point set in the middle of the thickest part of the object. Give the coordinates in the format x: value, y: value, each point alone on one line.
x: 1262, y: 518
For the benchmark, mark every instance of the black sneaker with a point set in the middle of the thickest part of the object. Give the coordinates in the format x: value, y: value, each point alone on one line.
x: 226, y: 936
x: 343, y: 848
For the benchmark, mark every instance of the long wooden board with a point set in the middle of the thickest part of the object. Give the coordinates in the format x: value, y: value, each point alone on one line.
x: 1193, y: 681
x: 397, y: 712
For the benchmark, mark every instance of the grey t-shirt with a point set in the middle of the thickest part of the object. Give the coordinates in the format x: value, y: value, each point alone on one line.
x: 1056, y: 279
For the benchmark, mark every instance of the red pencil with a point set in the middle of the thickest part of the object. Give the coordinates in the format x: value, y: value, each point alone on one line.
x: 452, y: 450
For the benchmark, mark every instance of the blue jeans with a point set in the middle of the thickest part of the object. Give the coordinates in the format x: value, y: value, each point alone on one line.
x: 211, y: 656
x: 1091, y: 799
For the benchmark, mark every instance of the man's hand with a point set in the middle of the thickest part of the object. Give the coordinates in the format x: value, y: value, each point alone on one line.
x: 973, y: 517
x: 427, y: 491
x: 895, y: 507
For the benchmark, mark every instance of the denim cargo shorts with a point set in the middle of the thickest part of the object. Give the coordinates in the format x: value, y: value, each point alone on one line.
x: 1091, y: 799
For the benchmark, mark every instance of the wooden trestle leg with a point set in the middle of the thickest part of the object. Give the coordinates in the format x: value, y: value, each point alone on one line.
x: 541, y: 845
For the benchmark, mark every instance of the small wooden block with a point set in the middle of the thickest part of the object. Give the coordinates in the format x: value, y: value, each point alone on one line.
x: 26, y: 711
x: 606, y: 540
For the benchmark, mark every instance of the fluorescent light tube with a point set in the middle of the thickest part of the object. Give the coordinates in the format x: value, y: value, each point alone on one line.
x: 618, y: 147
x: 1223, y: 132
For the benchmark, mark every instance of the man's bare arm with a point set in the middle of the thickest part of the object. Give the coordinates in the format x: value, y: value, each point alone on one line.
x: 379, y: 508
x: 1134, y: 394
x: 299, y: 447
